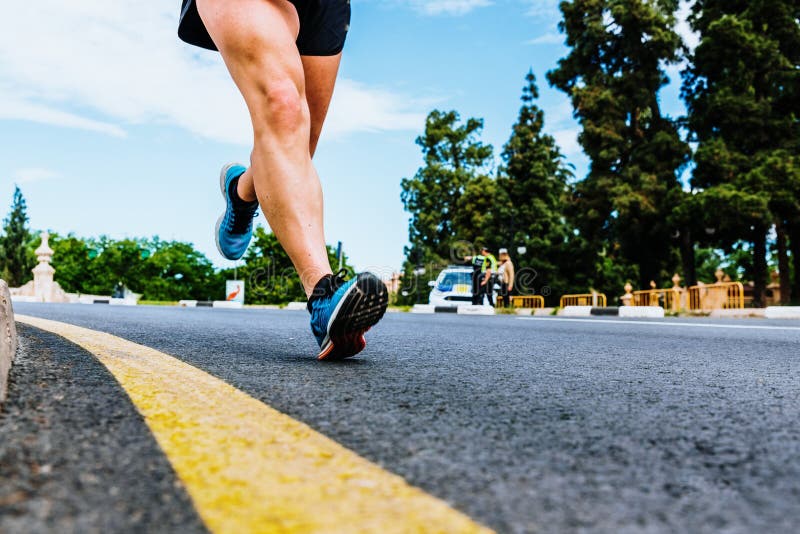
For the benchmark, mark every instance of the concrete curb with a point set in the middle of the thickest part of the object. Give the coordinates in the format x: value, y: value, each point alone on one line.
x: 575, y: 311
x: 642, y: 312
x: 475, y: 310
x: 8, y: 338
x: 209, y: 304
x: 782, y: 312
x: 651, y: 312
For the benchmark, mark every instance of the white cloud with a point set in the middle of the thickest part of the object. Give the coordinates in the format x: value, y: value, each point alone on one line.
x: 543, y: 8
x: 567, y: 141
x: 356, y: 107
x: 547, y: 38
x: 33, y: 174
x: 14, y: 108
x: 690, y: 37
x: 447, y: 7
x: 103, y: 66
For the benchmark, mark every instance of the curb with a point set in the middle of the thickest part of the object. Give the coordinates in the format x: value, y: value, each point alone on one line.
x: 8, y: 337
x: 460, y: 310
x: 210, y: 304
x: 782, y: 312
x: 644, y: 312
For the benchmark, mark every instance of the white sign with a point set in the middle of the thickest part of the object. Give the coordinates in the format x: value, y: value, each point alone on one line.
x: 234, y: 291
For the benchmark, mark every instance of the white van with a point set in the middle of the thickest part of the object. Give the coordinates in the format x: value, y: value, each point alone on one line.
x: 453, y: 287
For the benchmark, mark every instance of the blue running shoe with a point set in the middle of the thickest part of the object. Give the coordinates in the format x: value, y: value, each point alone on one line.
x: 235, y: 225
x: 341, y: 312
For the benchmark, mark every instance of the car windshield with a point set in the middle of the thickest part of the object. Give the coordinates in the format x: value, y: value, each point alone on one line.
x: 449, y: 280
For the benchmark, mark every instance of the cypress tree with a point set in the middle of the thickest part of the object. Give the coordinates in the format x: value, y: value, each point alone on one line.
x: 16, y: 261
x: 534, y: 179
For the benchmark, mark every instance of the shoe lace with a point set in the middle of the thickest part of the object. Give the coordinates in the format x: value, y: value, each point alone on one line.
x: 241, y: 219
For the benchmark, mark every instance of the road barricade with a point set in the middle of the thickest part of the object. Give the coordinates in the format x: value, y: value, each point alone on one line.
x: 669, y: 299
x: 719, y: 296
x: 596, y: 300
x: 524, y: 301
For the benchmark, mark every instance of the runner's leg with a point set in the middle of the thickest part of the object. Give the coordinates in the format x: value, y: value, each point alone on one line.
x: 320, y: 76
x: 257, y: 41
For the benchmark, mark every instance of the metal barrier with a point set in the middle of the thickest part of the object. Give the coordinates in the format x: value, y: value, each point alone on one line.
x: 525, y: 301
x: 598, y: 300
x: 722, y: 295
x: 669, y: 299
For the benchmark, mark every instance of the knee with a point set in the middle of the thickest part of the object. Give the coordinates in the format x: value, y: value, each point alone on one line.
x: 283, y: 109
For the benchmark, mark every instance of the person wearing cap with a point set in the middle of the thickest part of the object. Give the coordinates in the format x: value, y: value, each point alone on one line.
x: 505, y: 275
x: 483, y: 265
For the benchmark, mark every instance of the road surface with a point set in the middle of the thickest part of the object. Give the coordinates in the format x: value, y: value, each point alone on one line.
x: 522, y: 424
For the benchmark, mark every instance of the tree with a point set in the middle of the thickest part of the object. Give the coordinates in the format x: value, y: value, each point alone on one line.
x: 16, y: 259
x: 176, y: 271
x: 159, y: 270
x: 741, y: 90
x: 269, y: 274
x: 450, y: 198
x: 535, y: 183
x: 613, y: 74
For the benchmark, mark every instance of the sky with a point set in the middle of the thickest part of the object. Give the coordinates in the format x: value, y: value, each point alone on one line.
x: 111, y: 125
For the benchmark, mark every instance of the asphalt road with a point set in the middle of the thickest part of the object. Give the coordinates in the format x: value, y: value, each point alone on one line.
x: 526, y: 425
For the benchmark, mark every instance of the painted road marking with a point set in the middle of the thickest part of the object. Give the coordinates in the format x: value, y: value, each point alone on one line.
x: 662, y: 323
x: 250, y: 468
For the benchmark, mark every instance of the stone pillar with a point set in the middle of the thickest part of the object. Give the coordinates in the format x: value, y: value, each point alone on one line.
x: 43, y: 273
x: 677, y: 293
x: 628, y: 296
x: 8, y: 338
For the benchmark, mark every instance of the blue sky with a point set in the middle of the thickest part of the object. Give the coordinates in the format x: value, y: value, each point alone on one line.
x: 111, y: 125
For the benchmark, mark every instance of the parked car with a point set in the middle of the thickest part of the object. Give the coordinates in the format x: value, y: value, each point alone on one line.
x: 453, y: 287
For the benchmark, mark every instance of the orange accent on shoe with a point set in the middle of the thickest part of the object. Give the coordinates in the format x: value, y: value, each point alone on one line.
x: 344, y: 346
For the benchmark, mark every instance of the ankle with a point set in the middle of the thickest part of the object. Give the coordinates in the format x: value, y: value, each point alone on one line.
x: 246, y: 194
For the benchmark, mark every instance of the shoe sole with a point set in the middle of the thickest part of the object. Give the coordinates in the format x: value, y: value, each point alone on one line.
x: 358, y: 311
x: 222, y: 176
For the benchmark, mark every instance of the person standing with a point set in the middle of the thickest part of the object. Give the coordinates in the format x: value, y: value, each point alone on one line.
x: 477, y: 276
x: 489, y: 276
x: 284, y: 57
x: 506, y: 277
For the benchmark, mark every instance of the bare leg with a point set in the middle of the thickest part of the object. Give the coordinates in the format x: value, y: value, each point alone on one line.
x: 257, y: 41
x: 320, y: 75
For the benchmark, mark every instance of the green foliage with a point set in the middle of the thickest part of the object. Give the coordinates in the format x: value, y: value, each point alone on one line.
x: 159, y: 270
x: 450, y: 200
x: 613, y: 73
x: 16, y: 257
x: 269, y: 274
x: 533, y: 195
x: 455, y: 160
x: 741, y: 89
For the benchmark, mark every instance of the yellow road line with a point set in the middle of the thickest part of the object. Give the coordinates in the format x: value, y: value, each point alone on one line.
x: 250, y: 468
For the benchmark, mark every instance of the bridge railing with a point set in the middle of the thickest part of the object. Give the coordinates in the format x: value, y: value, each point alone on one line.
x: 597, y: 300
x: 722, y: 295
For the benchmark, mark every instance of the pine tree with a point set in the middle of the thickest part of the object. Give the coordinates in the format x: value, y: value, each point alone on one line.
x: 742, y: 90
x: 535, y: 180
x: 613, y: 74
x: 16, y: 261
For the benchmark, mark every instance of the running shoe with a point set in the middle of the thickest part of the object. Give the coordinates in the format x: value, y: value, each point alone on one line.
x: 235, y: 225
x: 342, y: 311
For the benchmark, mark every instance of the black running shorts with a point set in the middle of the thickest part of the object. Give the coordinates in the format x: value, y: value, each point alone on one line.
x: 323, y: 26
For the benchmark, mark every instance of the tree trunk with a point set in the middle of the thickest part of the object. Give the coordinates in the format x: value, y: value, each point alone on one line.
x: 759, y: 267
x: 688, y: 259
x: 794, y: 245
x: 783, y: 264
